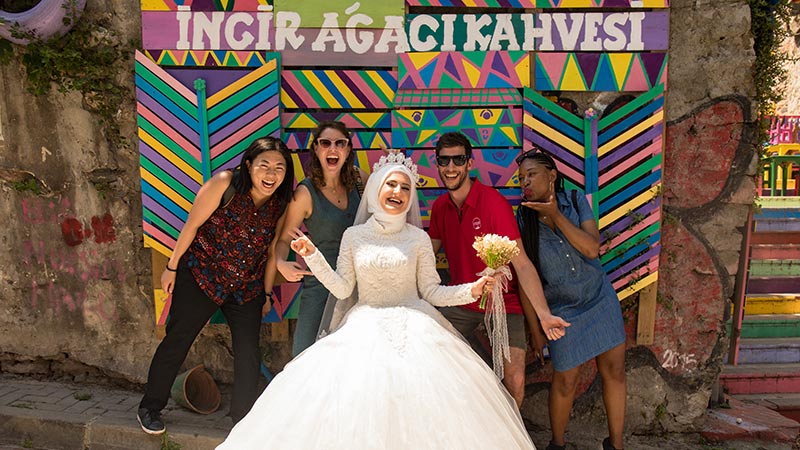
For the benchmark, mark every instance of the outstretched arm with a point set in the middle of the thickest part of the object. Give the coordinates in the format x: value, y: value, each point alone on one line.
x: 429, y: 283
x: 341, y: 282
x: 299, y: 209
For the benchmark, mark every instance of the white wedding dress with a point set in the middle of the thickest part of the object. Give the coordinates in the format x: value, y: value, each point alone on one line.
x: 395, y: 375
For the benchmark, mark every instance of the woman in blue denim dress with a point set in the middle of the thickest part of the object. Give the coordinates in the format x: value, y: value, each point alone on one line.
x: 560, y: 235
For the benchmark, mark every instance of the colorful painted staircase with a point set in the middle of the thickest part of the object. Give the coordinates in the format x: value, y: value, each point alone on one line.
x: 764, y: 357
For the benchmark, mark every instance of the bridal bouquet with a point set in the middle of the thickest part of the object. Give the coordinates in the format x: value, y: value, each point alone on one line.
x: 496, y: 252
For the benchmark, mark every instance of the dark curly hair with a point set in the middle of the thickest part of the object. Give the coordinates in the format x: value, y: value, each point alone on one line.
x: 347, y: 176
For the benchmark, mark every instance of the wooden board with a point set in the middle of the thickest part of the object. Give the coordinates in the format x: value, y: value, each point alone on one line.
x: 208, y: 58
x: 646, y: 318
x: 456, y: 98
x: 206, y: 5
x: 339, y: 47
x: 200, y: 30
x: 563, y: 32
x: 341, y: 13
x: 454, y: 70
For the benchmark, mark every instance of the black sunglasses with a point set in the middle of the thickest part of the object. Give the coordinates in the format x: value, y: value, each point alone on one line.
x: 527, y: 154
x: 458, y: 160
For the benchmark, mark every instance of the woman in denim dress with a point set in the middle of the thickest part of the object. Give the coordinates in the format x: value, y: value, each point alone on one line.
x: 560, y: 234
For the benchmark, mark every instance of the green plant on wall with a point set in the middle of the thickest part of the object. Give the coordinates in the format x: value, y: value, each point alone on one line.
x: 87, y: 60
x: 768, y: 24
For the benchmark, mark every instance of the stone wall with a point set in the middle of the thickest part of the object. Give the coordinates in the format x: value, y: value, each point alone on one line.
x: 75, y: 294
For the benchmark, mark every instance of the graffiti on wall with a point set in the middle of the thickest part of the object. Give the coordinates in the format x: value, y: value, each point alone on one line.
x: 212, y: 76
x: 60, y: 274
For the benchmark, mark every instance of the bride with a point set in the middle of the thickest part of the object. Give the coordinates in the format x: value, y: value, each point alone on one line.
x: 394, y: 375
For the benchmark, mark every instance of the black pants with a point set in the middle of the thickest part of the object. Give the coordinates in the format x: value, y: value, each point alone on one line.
x: 190, y: 311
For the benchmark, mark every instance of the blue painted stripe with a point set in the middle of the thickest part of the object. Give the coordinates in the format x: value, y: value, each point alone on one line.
x: 631, y: 191
x: 555, y: 122
x: 166, y: 102
x: 639, y: 116
x: 164, y: 201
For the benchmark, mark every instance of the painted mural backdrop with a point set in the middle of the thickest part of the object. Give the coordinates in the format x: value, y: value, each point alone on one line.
x: 213, y: 75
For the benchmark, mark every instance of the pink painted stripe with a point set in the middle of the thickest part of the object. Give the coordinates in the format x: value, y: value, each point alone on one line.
x: 629, y: 162
x: 289, y: 80
x: 158, y: 235
x: 570, y: 173
x: 651, y: 219
x: 411, y: 72
x: 650, y: 268
x: 237, y: 137
x: 166, y: 78
x: 169, y: 131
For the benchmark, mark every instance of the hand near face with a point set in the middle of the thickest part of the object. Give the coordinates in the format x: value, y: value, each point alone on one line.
x: 546, y: 208
x: 301, y: 244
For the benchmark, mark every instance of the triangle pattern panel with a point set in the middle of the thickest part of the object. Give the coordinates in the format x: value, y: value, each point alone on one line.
x: 463, y: 70
x: 622, y: 72
x: 419, y: 128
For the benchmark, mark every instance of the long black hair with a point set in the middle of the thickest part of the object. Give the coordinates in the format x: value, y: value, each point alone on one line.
x: 241, y: 175
x: 527, y: 218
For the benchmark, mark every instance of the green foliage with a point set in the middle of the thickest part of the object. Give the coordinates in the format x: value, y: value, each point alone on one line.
x: 168, y: 444
x: 27, y: 443
x: 29, y: 184
x: 768, y: 24
x: 82, y: 396
x: 87, y: 60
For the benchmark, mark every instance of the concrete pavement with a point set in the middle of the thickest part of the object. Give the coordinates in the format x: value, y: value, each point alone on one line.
x: 47, y: 415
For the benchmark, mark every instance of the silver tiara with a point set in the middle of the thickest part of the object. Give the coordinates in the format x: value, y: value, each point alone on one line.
x: 396, y: 157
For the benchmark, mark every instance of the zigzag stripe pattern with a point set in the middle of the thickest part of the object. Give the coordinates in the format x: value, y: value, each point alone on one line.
x: 455, y: 70
x: 169, y: 153
x: 628, y: 155
x: 242, y: 112
x: 209, y: 58
x: 542, y: 3
x: 617, y: 161
x: 185, y: 137
x: 629, y: 72
x: 457, y: 98
x: 338, y: 89
x: 558, y: 132
x: 488, y: 127
x: 353, y: 120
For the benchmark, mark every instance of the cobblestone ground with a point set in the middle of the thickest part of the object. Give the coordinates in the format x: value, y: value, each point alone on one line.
x: 112, y: 412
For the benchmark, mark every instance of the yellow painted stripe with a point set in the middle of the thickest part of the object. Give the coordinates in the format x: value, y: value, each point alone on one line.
x: 241, y: 83
x: 387, y: 91
x: 157, y: 246
x: 632, y: 204
x: 166, y: 153
x: 626, y: 136
x: 554, y: 135
x: 321, y: 89
x: 638, y: 286
x: 345, y: 91
x: 166, y: 190
x: 772, y: 304
x: 286, y: 100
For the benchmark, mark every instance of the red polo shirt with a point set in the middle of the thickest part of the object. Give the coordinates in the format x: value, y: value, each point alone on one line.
x: 485, y: 211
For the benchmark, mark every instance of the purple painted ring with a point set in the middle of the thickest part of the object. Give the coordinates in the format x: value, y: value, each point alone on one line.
x: 44, y: 20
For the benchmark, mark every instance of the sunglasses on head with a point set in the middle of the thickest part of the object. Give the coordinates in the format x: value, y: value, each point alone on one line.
x: 339, y: 143
x: 458, y: 160
x: 527, y: 154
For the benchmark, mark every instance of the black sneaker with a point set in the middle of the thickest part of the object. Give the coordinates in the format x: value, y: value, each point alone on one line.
x: 607, y: 445
x: 552, y: 446
x: 150, y: 420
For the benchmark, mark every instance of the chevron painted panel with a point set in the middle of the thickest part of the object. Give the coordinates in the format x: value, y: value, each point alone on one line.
x: 487, y: 127
x: 629, y: 72
x: 616, y: 161
x: 454, y: 70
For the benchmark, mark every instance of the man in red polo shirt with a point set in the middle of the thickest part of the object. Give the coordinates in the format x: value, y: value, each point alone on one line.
x: 472, y: 209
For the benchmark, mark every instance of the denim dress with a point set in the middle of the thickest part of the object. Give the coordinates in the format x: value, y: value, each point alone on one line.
x: 578, y: 290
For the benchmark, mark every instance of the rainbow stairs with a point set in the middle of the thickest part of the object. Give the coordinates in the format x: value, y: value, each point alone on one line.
x: 765, y: 366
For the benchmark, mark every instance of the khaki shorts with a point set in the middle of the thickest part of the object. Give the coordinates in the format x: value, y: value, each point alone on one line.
x: 466, y: 321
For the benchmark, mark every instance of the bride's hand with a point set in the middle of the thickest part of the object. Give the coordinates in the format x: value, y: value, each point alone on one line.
x: 485, y: 282
x: 301, y: 244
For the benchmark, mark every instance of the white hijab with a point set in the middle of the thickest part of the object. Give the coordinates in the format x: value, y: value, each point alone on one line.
x: 370, y: 206
x: 370, y: 210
